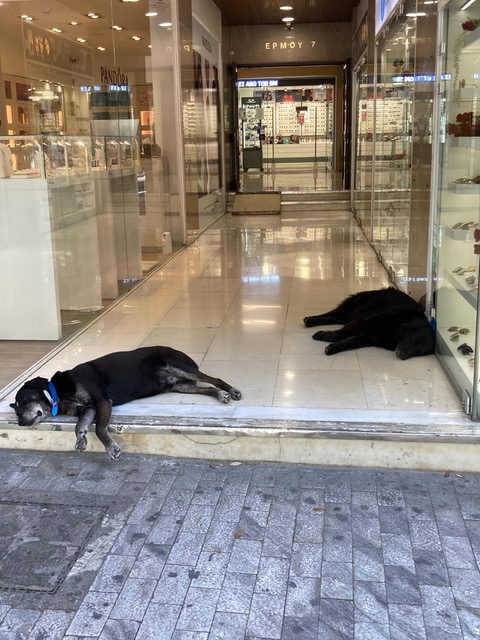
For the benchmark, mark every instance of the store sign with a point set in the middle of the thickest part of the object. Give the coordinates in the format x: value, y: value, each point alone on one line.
x: 253, y: 84
x: 113, y: 77
x: 421, y: 78
x: 383, y: 11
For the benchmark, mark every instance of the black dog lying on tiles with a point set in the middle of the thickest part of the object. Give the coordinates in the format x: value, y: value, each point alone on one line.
x: 89, y: 390
x: 385, y: 318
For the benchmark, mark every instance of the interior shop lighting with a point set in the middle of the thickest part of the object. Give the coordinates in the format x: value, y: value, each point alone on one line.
x: 137, y: 38
x: 117, y: 27
x: 165, y: 24
x: 416, y: 15
x: 55, y: 30
x: 151, y: 14
x: 27, y: 18
x: 466, y: 5
x: 288, y: 19
x: 93, y: 16
x: 286, y: 7
x: 74, y: 24
x: 101, y: 48
x: 81, y: 40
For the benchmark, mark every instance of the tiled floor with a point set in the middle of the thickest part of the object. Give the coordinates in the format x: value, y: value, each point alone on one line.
x: 235, y: 300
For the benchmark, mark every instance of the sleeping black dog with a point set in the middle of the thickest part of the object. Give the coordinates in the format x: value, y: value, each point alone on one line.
x: 385, y: 318
x: 89, y: 390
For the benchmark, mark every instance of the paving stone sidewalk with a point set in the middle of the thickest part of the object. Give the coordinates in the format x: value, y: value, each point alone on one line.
x: 151, y: 548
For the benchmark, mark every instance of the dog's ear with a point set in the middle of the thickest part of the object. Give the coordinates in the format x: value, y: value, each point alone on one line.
x: 13, y: 405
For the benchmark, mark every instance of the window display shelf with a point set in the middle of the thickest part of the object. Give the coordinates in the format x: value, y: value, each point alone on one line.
x: 462, y: 288
x: 464, y: 188
x: 465, y: 235
x: 468, y: 142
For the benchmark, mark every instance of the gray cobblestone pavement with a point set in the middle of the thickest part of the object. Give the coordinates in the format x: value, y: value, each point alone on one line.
x: 151, y: 548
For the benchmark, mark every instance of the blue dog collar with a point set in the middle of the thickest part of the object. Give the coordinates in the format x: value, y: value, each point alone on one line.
x: 52, y: 397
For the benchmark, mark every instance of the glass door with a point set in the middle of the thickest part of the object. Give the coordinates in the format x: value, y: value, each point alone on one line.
x: 457, y: 207
x: 292, y: 131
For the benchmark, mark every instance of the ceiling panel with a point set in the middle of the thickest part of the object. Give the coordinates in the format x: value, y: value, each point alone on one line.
x: 251, y: 12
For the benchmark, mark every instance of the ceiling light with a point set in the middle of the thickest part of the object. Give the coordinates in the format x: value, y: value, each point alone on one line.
x: 74, y: 24
x: 93, y: 16
x: 415, y: 15
x: 286, y: 7
x: 116, y: 27
x: 101, y: 48
x: 165, y: 24
x: 288, y: 19
x: 134, y: 37
x: 55, y: 30
x: 151, y: 14
x: 81, y: 40
x: 27, y: 18
x: 466, y: 5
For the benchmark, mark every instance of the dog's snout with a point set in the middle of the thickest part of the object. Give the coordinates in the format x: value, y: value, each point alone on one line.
x: 21, y: 421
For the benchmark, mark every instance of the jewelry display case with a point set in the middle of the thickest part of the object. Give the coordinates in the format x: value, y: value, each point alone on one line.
x: 456, y: 208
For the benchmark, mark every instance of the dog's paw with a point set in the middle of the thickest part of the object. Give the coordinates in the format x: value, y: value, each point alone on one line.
x: 236, y: 394
x: 81, y: 443
x: 113, y: 450
x: 330, y: 349
x: 307, y: 321
x: 224, y: 396
x: 321, y: 335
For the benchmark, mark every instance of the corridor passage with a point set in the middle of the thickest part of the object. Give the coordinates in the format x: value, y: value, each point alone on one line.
x: 235, y: 300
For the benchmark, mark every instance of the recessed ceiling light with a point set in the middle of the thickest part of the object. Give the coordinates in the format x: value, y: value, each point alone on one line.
x: 116, y: 27
x: 101, y: 48
x: 55, y: 30
x: 151, y: 14
x: 74, y: 24
x: 27, y: 18
x: 286, y: 7
x: 415, y: 15
x: 288, y: 19
x: 93, y: 16
x: 81, y: 40
x: 135, y: 37
x: 165, y: 24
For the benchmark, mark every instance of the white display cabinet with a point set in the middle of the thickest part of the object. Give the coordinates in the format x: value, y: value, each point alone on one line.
x: 48, y: 224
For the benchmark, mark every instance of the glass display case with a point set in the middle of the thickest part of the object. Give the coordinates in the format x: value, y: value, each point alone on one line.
x: 456, y: 209
x: 21, y: 157
x: 393, y: 138
x: 113, y: 152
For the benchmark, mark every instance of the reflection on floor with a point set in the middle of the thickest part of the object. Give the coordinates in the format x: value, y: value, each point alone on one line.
x: 234, y: 300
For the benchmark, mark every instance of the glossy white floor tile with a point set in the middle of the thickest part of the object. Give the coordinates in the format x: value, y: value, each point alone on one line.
x: 235, y: 301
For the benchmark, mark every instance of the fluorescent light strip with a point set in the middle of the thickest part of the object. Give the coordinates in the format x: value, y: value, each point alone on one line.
x: 466, y: 5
